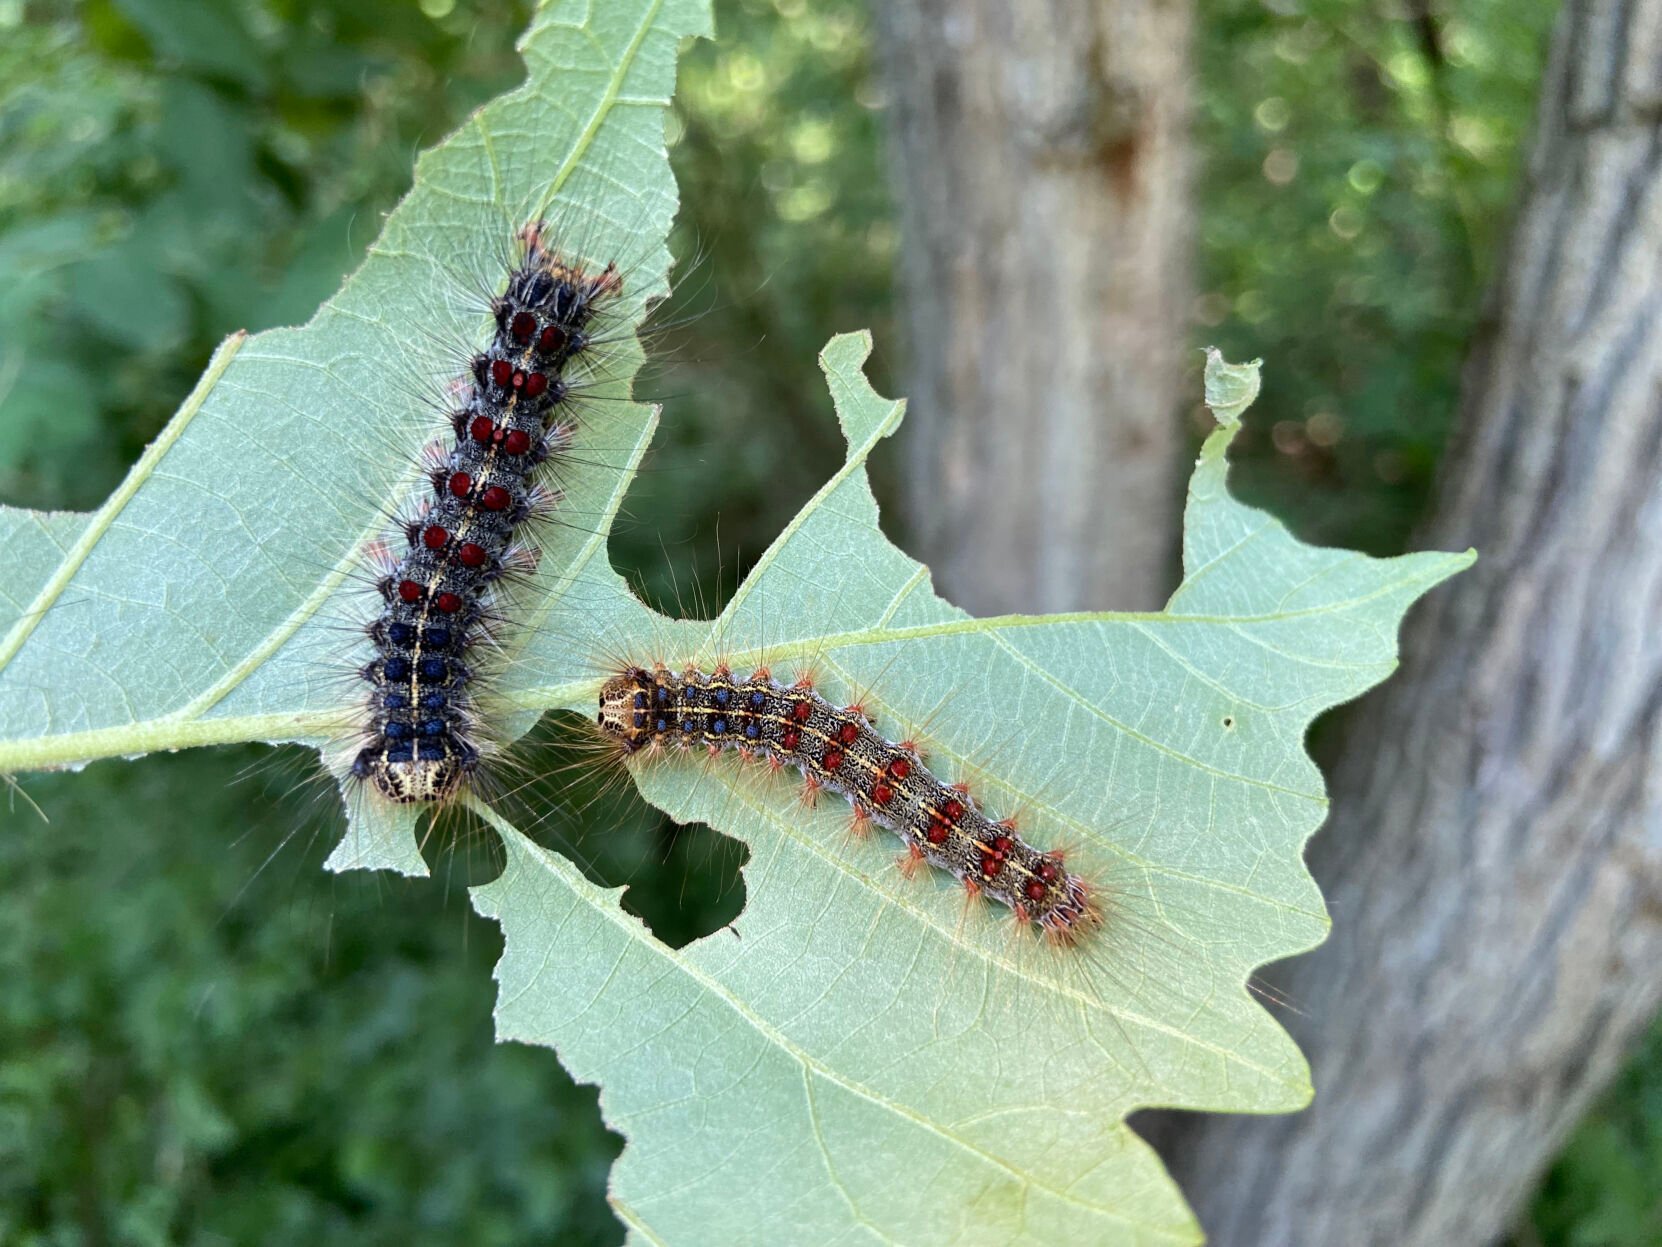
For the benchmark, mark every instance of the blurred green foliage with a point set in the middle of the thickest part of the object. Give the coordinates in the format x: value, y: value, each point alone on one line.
x: 786, y: 237
x: 1606, y: 1189
x: 201, y: 1046
x: 1357, y: 169
x: 173, y: 171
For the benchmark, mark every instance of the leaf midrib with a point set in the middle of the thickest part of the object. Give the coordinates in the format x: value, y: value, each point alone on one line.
x: 191, y: 729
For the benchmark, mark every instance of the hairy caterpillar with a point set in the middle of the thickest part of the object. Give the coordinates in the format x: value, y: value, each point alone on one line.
x: 421, y: 732
x: 646, y: 711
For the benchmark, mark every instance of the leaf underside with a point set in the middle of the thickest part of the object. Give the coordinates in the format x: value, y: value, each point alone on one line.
x: 867, y: 1061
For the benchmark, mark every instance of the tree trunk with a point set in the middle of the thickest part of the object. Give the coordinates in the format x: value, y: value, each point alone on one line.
x: 1041, y: 150
x: 1494, y: 858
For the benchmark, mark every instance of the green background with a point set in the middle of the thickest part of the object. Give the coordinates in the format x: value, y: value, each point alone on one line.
x: 203, y: 1037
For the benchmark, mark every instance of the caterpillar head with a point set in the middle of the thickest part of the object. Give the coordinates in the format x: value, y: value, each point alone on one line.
x: 406, y: 772
x: 626, y: 708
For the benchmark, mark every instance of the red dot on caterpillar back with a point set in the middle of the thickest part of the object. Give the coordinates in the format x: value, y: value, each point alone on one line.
x: 460, y: 483
x: 900, y: 768
x: 802, y: 711
x: 523, y: 326
x: 535, y: 385
x: 482, y: 429
x: 502, y: 372
x: 495, y: 498
x: 434, y: 537
x: 790, y: 738
x: 881, y: 793
x: 471, y: 555
x: 551, y: 338
x: 517, y: 442
x: 832, y: 759
x: 449, y: 603
x: 409, y: 590
x: 848, y: 733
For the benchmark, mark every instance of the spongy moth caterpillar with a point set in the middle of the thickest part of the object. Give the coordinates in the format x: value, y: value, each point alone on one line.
x: 647, y: 711
x: 421, y: 735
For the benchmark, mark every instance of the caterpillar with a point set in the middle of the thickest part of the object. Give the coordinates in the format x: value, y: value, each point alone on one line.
x: 644, y: 712
x: 421, y: 731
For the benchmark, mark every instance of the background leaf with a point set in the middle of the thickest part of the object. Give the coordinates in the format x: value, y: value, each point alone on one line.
x: 864, y: 1059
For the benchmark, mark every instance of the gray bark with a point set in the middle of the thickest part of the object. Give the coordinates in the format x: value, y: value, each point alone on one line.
x: 1494, y: 858
x: 1041, y: 153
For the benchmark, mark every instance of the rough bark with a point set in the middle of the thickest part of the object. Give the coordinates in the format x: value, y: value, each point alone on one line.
x: 1041, y: 153
x: 1494, y: 858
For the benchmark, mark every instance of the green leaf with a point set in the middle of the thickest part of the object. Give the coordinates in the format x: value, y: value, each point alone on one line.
x: 882, y: 1060
x: 860, y: 1057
